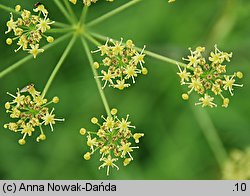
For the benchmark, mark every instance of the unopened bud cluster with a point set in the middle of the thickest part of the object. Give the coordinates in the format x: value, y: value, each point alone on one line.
x: 29, y: 29
x: 208, y: 78
x: 112, y: 140
x: 30, y: 111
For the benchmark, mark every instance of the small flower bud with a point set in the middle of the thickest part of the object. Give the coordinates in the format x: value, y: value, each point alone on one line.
x: 21, y: 141
x: 7, y: 105
x: 50, y: 39
x: 126, y: 161
x: 87, y: 156
x: 82, y: 131
x: 225, y: 102
x: 18, y: 8
x: 129, y: 43
x: 114, y: 111
x: 144, y: 71
x: 73, y: 1
x: 55, y: 100
x: 239, y: 74
x: 96, y: 65
x: 185, y: 96
x: 9, y: 41
x: 137, y: 136
x: 42, y: 137
x: 94, y: 120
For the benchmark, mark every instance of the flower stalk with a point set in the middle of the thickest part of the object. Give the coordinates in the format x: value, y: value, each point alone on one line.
x: 99, y: 86
x: 58, y: 66
x: 211, y: 135
x: 112, y: 13
x: 29, y: 57
x: 64, y: 11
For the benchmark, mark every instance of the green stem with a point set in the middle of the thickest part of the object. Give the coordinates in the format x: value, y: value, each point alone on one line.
x: 91, y: 61
x: 60, y: 30
x: 68, y: 7
x: 8, y: 9
x: 59, y: 24
x: 211, y: 135
x: 226, y: 21
x: 83, y: 14
x: 25, y: 59
x: 64, y: 11
x: 93, y: 40
x: 58, y: 66
x: 112, y: 13
x: 165, y: 59
x: 149, y: 53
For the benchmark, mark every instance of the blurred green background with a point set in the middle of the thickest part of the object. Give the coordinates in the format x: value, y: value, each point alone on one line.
x: 174, y: 146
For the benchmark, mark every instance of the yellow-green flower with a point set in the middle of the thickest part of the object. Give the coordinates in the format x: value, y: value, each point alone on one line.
x: 113, y: 139
x: 208, y: 79
x: 29, y: 29
x: 30, y: 112
x: 121, y: 63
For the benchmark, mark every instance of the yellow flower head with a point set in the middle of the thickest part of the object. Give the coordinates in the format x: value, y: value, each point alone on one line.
x: 121, y: 63
x: 208, y: 78
x: 30, y: 111
x: 113, y: 139
x: 29, y: 29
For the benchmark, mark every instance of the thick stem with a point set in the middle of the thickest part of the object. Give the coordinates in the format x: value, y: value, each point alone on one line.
x: 112, y: 13
x: 98, y: 83
x: 211, y: 135
x: 64, y: 11
x: 58, y: 66
x: 25, y: 59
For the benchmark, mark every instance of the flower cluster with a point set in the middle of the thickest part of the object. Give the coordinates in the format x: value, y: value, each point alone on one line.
x: 30, y: 111
x: 120, y: 63
x: 29, y: 29
x: 237, y: 166
x: 88, y: 2
x: 112, y: 140
x: 208, y: 79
